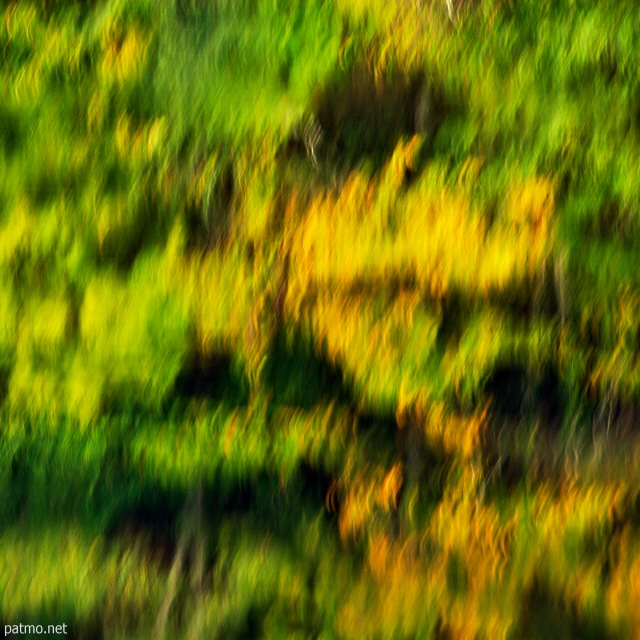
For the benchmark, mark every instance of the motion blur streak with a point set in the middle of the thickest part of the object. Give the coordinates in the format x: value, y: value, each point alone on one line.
x: 320, y: 319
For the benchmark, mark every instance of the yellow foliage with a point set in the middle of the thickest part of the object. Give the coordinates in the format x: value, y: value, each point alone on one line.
x: 134, y: 332
x: 404, y: 158
x: 623, y: 592
x: 84, y: 391
x: 220, y: 288
x: 412, y: 589
x: 580, y: 508
x: 155, y: 136
x: 469, y: 172
x: 391, y: 484
x: 318, y: 436
x: 133, y: 146
x: 404, y: 32
x: 402, y: 599
x: 379, y: 554
x: 36, y: 390
x: 60, y: 46
x: 21, y: 21
x: 123, y: 56
x: 383, y: 343
x: 44, y: 327
x: 617, y: 367
x: 429, y: 233
x: 60, y: 568
x: 15, y: 235
x: 529, y: 211
x: 8, y: 321
x: 51, y: 46
x: 371, y: 489
x: 456, y: 435
x: 113, y: 218
x: 531, y: 202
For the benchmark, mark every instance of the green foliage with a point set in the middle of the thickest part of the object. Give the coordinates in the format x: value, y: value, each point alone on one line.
x: 320, y: 318
x: 135, y: 334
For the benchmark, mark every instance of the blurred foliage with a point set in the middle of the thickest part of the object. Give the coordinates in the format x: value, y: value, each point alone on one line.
x: 320, y: 319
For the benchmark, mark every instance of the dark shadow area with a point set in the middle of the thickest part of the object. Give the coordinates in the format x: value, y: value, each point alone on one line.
x: 508, y: 389
x: 442, y: 631
x: 153, y: 515
x: 379, y: 433
x: 517, y: 394
x: 362, y: 117
x: 452, y: 324
x: 146, y: 225
x: 632, y: 518
x: 457, y: 574
x: 212, y: 378
x: 299, y: 377
x: 222, y: 498
x: 548, y: 401
x: 504, y: 475
x: 279, y: 508
x: 521, y: 409
x: 314, y: 484
x: 616, y: 418
x: 208, y: 223
x: 612, y: 222
x: 67, y: 480
x: 544, y: 616
x: 431, y: 475
x: 13, y: 131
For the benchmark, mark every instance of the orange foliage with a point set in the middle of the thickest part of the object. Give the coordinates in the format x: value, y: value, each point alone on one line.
x: 369, y: 491
x: 428, y: 233
x: 452, y: 433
